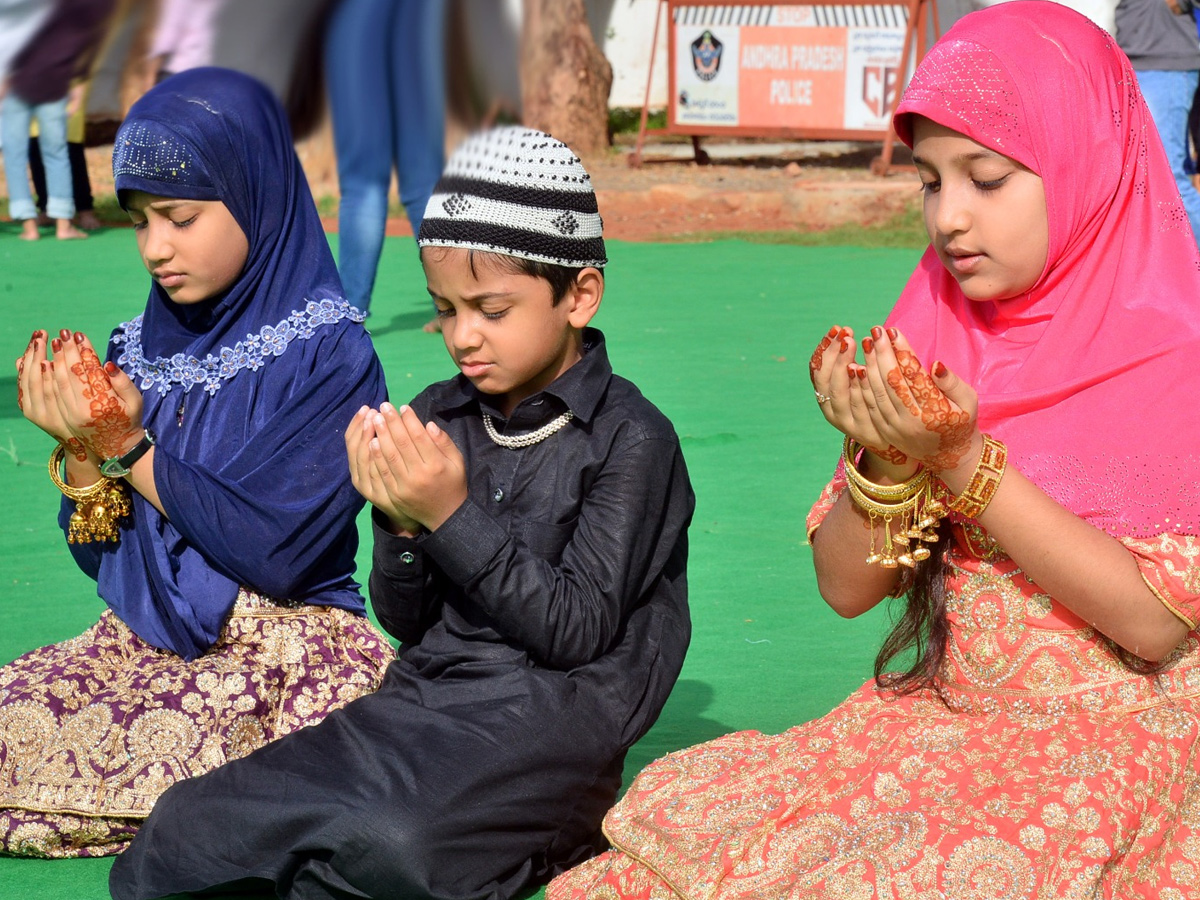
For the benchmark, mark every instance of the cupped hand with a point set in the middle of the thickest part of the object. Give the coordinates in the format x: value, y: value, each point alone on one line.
x: 366, y: 478
x: 37, y: 396
x: 97, y: 401
x: 419, y: 465
x: 929, y: 416
x: 837, y: 382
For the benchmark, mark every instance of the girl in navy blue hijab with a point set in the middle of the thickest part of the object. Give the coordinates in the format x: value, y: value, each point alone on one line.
x: 225, y: 537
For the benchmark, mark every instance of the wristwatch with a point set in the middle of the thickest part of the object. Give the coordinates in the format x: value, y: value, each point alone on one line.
x: 119, y: 466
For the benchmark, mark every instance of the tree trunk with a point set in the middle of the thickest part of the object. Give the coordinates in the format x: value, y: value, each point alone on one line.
x: 565, y: 79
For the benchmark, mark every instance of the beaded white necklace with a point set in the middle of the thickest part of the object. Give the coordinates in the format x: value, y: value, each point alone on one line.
x: 516, y: 441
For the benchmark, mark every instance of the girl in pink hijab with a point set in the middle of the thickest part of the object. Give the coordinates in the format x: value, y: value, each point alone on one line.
x: 1020, y: 453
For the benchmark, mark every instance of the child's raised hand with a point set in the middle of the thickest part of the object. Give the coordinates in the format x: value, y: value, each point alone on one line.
x: 366, y: 479
x: 832, y: 369
x: 418, y: 464
x: 37, y: 396
x: 98, y: 402
x: 931, y: 417
x: 359, y: 433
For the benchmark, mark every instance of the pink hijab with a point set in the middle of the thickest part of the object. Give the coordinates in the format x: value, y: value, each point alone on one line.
x: 1092, y: 378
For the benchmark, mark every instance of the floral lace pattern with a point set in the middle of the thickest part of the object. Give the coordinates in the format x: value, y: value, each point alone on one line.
x: 163, y: 373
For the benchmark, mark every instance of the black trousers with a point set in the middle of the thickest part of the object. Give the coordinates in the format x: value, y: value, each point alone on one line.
x: 81, y: 185
x: 392, y: 798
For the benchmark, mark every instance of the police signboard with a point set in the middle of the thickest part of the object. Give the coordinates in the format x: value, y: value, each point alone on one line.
x: 769, y: 69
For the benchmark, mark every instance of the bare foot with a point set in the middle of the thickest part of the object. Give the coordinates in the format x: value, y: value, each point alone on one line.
x: 433, y: 326
x: 65, y: 231
x: 88, y: 221
x: 29, y: 230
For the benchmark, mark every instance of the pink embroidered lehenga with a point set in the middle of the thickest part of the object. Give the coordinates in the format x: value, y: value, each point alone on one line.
x: 1050, y: 771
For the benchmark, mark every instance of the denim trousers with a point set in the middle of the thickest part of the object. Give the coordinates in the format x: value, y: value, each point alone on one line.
x: 1169, y: 95
x: 15, y: 118
x: 384, y: 64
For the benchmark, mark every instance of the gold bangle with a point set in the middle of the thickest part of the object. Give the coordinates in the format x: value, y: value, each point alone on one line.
x: 905, y: 490
x: 79, y: 495
x: 876, y: 505
x: 98, y: 507
x: 909, y: 504
x: 993, y: 460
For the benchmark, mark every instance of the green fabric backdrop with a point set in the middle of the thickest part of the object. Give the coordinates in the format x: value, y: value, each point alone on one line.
x: 717, y: 334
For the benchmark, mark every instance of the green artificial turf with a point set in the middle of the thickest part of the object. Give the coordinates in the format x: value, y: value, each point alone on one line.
x: 717, y: 334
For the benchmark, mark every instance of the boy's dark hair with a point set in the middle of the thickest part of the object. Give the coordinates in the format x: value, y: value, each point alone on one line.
x: 560, y: 278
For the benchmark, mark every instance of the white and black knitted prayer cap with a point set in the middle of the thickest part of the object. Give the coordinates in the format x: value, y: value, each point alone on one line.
x: 518, y: 192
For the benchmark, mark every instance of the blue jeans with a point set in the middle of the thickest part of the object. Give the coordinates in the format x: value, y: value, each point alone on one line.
x: 15, y: 118
x: 384, y: 64
x: 1169, y: 95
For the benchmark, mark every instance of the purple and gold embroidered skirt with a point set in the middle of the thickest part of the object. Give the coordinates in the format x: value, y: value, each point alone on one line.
x: 94, y: 729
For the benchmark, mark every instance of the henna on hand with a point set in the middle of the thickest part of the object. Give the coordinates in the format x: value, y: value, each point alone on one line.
x: 60, y: 434
x: 890, y: 454
x: 903, y: 393
x: 923, y: 398
x: 814, y: 362
x: 837, y: 333
x: 21, y: 371
x: 112, y: 430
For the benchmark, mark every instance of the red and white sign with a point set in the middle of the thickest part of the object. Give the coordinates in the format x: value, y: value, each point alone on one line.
x: 773, y: 68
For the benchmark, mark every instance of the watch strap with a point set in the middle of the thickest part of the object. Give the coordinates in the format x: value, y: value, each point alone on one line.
x: 119, y: 466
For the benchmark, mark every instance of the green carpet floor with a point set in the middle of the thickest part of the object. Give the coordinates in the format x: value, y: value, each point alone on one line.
x: 718, y: 335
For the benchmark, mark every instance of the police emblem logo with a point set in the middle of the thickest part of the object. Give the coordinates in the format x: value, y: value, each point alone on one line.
x: 706, y: 56
x: 879, y: 87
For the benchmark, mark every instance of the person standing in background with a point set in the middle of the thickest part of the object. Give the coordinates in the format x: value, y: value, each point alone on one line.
x: 19, y: 19
x: 184, y: 34
x: 81, y: 185
x: 1159, y: 37
x: 385, y: 74
x: 42, y: 85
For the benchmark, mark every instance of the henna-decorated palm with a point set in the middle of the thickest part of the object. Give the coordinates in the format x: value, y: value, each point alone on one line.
x: 891, y: 404
x: 833, y: 371
x: 929, y: 416
x: 101, y: 407
x: 37, y: 396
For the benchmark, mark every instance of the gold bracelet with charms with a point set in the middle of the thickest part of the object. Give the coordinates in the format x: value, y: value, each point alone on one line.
x: 99, y: 507
x: 909, y: 504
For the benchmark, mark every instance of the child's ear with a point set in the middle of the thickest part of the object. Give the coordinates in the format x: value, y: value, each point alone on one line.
x: 585, y: 296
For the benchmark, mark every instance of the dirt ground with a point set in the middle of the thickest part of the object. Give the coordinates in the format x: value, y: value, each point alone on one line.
x: 788, y: 189
x: 748, y: 186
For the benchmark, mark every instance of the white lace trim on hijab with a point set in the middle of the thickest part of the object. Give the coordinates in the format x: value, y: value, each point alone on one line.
x: 163, y: 373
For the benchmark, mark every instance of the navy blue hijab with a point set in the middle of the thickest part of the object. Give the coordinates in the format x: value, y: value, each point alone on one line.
x: 249, y: 392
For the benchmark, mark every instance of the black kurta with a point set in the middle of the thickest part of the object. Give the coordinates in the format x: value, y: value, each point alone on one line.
x: 542, y: 627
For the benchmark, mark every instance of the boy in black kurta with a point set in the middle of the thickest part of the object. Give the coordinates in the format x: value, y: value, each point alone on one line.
x: 530, y: 521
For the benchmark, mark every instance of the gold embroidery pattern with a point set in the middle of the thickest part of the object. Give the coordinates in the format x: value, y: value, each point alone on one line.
x: 1050, y: 771
x: 94, y: 729
x: 1170, y: 566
